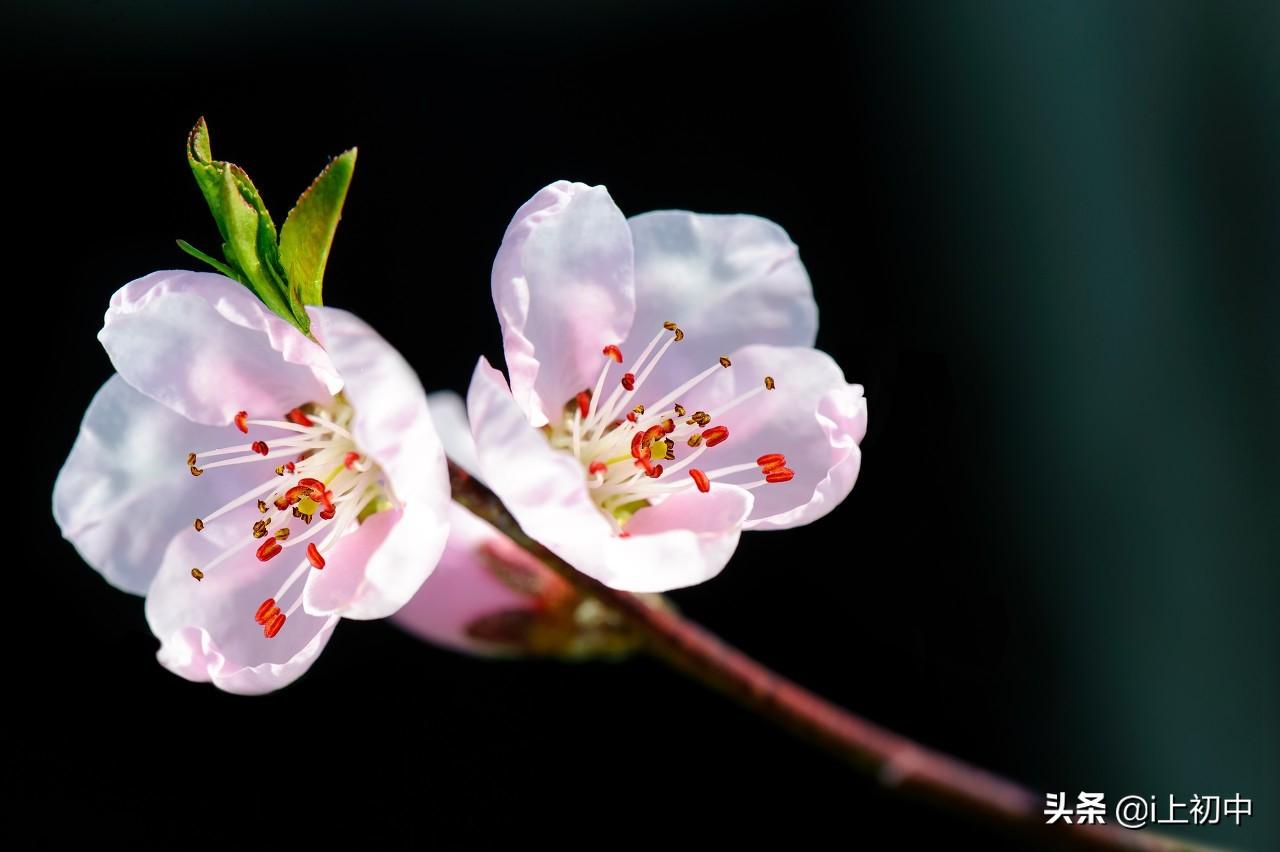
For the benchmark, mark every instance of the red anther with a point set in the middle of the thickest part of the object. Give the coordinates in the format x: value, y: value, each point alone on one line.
x: 776, y: 464
x: 326, y: 500
x: 770, y: 458
x: 716, y: 435
x: 242, y: 421
x: 638, y: 445
x: 584, y: 402
x: 297, y: 415
x: 624, y: 534
x: 782, y: 474
x: 315, y: 486
x: 288, y: 466
x: 267, y: 605
x: 597, y: 467
x: 268, y: 549
x: 350, y: 459
x: 297, y: 494
x: 655, y: 471
x: 700, y: 479
x: 273, y: 626
x: 314, y: 557
x: 629, y: 382
x: 654, y: 433
x: 260, y: 447
x: 613, y: 352
x: 668, y: 426
x: 631, y: 415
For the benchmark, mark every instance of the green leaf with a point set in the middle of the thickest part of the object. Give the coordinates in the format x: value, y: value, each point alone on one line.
x: 307, y: 233
x: 245, y: 234
x: 216, y: 264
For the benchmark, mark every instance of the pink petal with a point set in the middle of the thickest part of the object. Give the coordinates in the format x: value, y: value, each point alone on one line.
x: 393, y: 426
x: 814, y: 417
x: 564, y: 289
x: 124, y: 491
x: 463, y: 588
x: 728, y: 281
x: 204, y: 346
x: 207, y: 630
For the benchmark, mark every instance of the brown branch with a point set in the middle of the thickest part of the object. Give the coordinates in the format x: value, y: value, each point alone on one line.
x: 897, y: 762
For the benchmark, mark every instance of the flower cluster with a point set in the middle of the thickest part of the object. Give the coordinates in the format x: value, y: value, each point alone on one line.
x: 662, y: 395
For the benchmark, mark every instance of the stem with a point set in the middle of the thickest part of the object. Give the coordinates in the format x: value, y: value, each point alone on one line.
x: 897, y: 762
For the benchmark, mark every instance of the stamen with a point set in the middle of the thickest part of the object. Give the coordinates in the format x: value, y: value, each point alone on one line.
x: 629, y: 381
x: 260, y: 447
x: 769, y: 384
x: 274, y: 625
x: 297, y: 415
x: 191, y: 459
x: 195, y: 471
x: 282, y: 534
x: 782, y: 474
x: 597, y: 467
x: 313, y: 554
x: 262, y: 507
x: 241, y: 420
x: 199, y: 525
x: 700, y: 479
x: 695, y: 439
x: 197, y: 573
x: 716, y: 435
x: 612, y: 351
x: 725, y: 362
x: 268, y: 549
x: 679, y: 410
x: 265, y: 611
x: 771, y: 462
x: 584, y: 402
x: 350, y: 459
x: 260, y: 528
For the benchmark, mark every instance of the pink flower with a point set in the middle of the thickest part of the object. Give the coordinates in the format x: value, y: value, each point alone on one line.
x: 665, y: 393
x: 256, y: 485
x: 489, y: 596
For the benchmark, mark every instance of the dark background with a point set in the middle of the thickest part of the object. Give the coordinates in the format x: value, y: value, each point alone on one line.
x: 1043, y: 235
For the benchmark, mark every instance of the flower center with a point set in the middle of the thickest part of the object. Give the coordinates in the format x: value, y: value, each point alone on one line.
x: 623, y: 444
x: 323, y: 487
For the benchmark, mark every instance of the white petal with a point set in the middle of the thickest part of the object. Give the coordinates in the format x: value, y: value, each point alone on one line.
x: 449, y: 413
x: 814, y: 417
x: 564, y: 288
x: 207, y: 630
x: 728, y: 281
x: 203, y: 345
x: 124, y: 491
x: 393, y: 426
